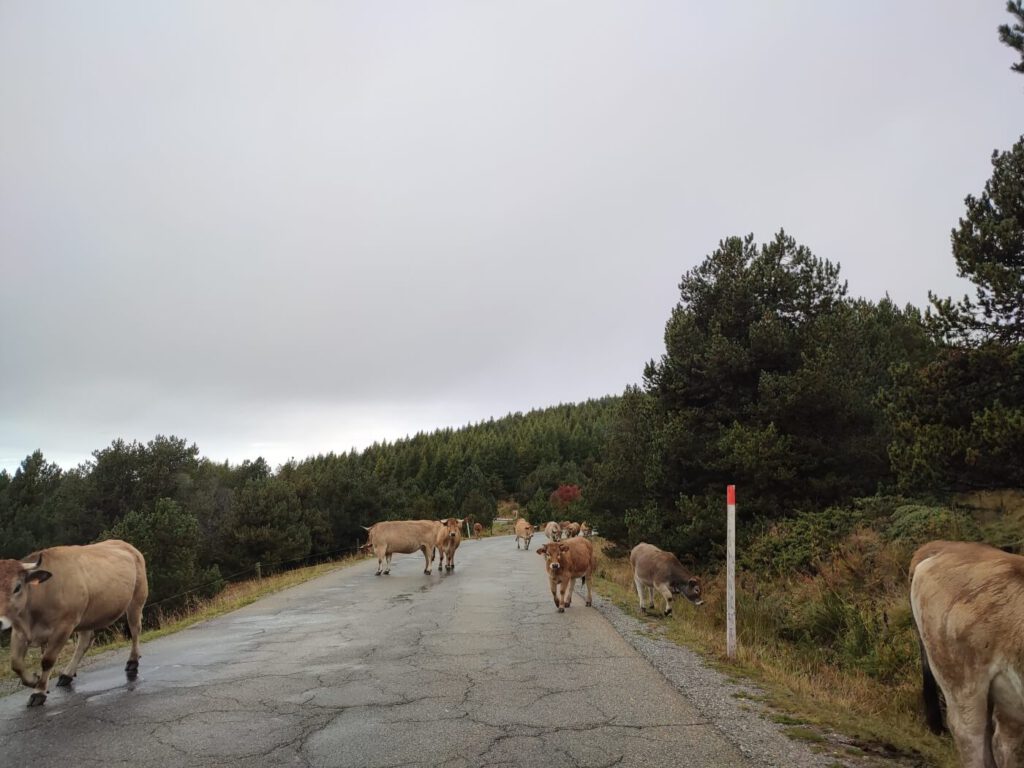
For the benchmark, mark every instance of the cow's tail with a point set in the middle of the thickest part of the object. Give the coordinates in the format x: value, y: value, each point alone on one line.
x: 930, y: 694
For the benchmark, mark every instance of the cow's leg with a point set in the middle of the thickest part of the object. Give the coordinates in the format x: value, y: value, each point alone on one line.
x: 134, y: 617
x: 517, y: 543
x: 52, y: 650
x: 667, y: 594
x: 19, y: 645
x: 567, y: 596
x: 968, y: 716
x: 640, y: 594
x: 527, y: 544
x: 588, y: 580
x: 428, y: 557
x: 1007, y: 739
x: 85, y: 637
x: 451, y: 560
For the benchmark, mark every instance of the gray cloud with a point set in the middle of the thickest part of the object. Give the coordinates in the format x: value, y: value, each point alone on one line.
x: 290, y: 228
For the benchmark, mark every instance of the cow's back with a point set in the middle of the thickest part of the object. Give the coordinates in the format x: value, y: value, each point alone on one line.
x: 405, y: 536
x: 91, y: 585
x: 644, y: 559
x: 580, y: 556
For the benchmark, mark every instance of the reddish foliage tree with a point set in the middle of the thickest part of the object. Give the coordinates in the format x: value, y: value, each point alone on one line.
x: 564, y: 495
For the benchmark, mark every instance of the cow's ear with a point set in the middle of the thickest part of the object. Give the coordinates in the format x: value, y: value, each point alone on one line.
x: 37, y: 577
x: 564, y: 547
x: 542, y: 549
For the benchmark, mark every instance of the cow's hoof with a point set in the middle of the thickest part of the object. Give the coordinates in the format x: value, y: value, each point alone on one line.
x: 427, y: 573
x: 668, y: 612
x: 64, y: 681
x: 387, y: 573
x: 36, y: 699
x: 589, y: 604
x: 561, y: 609
x: 131, y: 669
x: 377, y: 573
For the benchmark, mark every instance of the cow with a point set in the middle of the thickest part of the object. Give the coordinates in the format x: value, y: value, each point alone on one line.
x: 478, y: 531
x: 573, y: 530
x: 655, y: 569
x: 449, y: 536
x: 404, y: 537
x: 586, y: 530
x: 553, y: 531
x: 566, y: 526
x: 61, y: 590
x: 524, y: 531
x: 566, y: 561
x: 968, y: 600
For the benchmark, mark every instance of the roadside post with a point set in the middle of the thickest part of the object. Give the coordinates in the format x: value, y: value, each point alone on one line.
x: 730, y: 573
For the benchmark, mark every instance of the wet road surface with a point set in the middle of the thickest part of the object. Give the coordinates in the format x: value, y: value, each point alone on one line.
x: 472, y: 668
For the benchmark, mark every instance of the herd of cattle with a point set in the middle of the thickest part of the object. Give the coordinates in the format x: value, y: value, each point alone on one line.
x: 967, y: 601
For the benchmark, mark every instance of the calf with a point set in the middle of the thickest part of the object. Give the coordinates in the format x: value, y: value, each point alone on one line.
x: 655, y: 569
x: 968, y: 602
x: 402, y: 537
x: 553, y: 531
x: 70, y: 589
x: 524, y: 531
x: 478, y: 531
x: 449, y: 536
x: 566, y: 561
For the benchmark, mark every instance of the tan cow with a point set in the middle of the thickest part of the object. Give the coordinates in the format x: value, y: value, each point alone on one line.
x: 449, y: 536
x: 478, y: 531
x: 70, y: 589
x: 524, y: 531
x: 968, y: 604
x: 655, y: 569
x: 553, y: 531
x: 566, y: 561
x: 574, y: 530
x: 403, y: 537
x: 586, y: 530
x: 566, y: 526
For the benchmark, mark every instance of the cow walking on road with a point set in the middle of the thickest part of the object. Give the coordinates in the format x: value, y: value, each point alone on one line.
x: 655, y: 569
x: 403, y: 537
x: 968, y: 601
x: 478, y: 531
x: 524, y: 531
x: 449, y: 536
x: 566, y: 561
x: 70, y: 589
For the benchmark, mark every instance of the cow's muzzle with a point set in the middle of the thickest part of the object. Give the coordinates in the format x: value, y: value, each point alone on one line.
x: 555, y: 566
x: 5, y: 623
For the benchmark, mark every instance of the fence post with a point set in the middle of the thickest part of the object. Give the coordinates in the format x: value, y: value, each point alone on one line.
x: 730, y: 573
x: 259, y: 571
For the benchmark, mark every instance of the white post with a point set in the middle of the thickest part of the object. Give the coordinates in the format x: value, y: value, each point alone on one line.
x: 730, y: 574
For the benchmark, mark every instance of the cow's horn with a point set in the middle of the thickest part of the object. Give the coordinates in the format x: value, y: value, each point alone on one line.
x: 33, y: 566
x: 364, y: 527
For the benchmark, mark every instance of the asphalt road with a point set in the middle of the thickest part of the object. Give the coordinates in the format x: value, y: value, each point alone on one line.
x: 472, y: 668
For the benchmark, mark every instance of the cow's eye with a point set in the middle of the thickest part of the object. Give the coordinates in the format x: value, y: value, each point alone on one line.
x: 17, y: 588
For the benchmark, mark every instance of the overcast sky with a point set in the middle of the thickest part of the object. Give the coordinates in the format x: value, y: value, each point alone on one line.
x: 286, y: 228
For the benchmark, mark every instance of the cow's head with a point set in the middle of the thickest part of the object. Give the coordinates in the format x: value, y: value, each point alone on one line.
x: 690, y: 589
x: 453, y: 525
x: 15, y: 581
x: 554, y: 555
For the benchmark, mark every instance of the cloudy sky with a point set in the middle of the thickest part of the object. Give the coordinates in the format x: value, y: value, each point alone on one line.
x: 285, y: 228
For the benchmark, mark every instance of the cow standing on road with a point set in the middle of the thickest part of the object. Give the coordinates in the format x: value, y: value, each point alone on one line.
x: 403, y: 537
x: 566, y: 561
x: 553, y: 531
x: 655, y: 569
x: 70, y: 589
x: 449, y: 536
x: 968, y: 600
x: 524, y: 531
x: 478, y: 531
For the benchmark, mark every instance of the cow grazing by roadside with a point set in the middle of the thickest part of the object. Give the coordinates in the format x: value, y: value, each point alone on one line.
x: 61, y: 590
x: 449, y: 536
x: 524, y: 531
x: 566, y: 561
x: 402, y: 537
x: 968, y: 604
x: 655, y: 569
x: 478, y: 531
x: 586, y: 530
x: 553, y: 531
x: 574, y: 530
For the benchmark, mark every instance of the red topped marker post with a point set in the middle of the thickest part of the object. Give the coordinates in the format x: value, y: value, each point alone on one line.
x: 730, y: 572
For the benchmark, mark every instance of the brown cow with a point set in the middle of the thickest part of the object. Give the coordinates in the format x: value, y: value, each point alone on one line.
x: 574, y: 530
x: 449, y: 536
x: 553, y: 531
x: 478, y: 531
x: 404, y: 537
x: 524, y: 531
x: 655, y: 569
x: 586, y: 530
x: 566, y: 526
x: 968, y: 601
x: 70, y: 589
x: 566, y: 561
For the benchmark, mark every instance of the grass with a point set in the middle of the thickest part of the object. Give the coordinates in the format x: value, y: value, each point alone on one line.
x: 233, y: 597
x: 802, y: 686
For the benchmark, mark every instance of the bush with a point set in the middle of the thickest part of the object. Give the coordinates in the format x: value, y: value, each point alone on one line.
x: 915, y: 524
